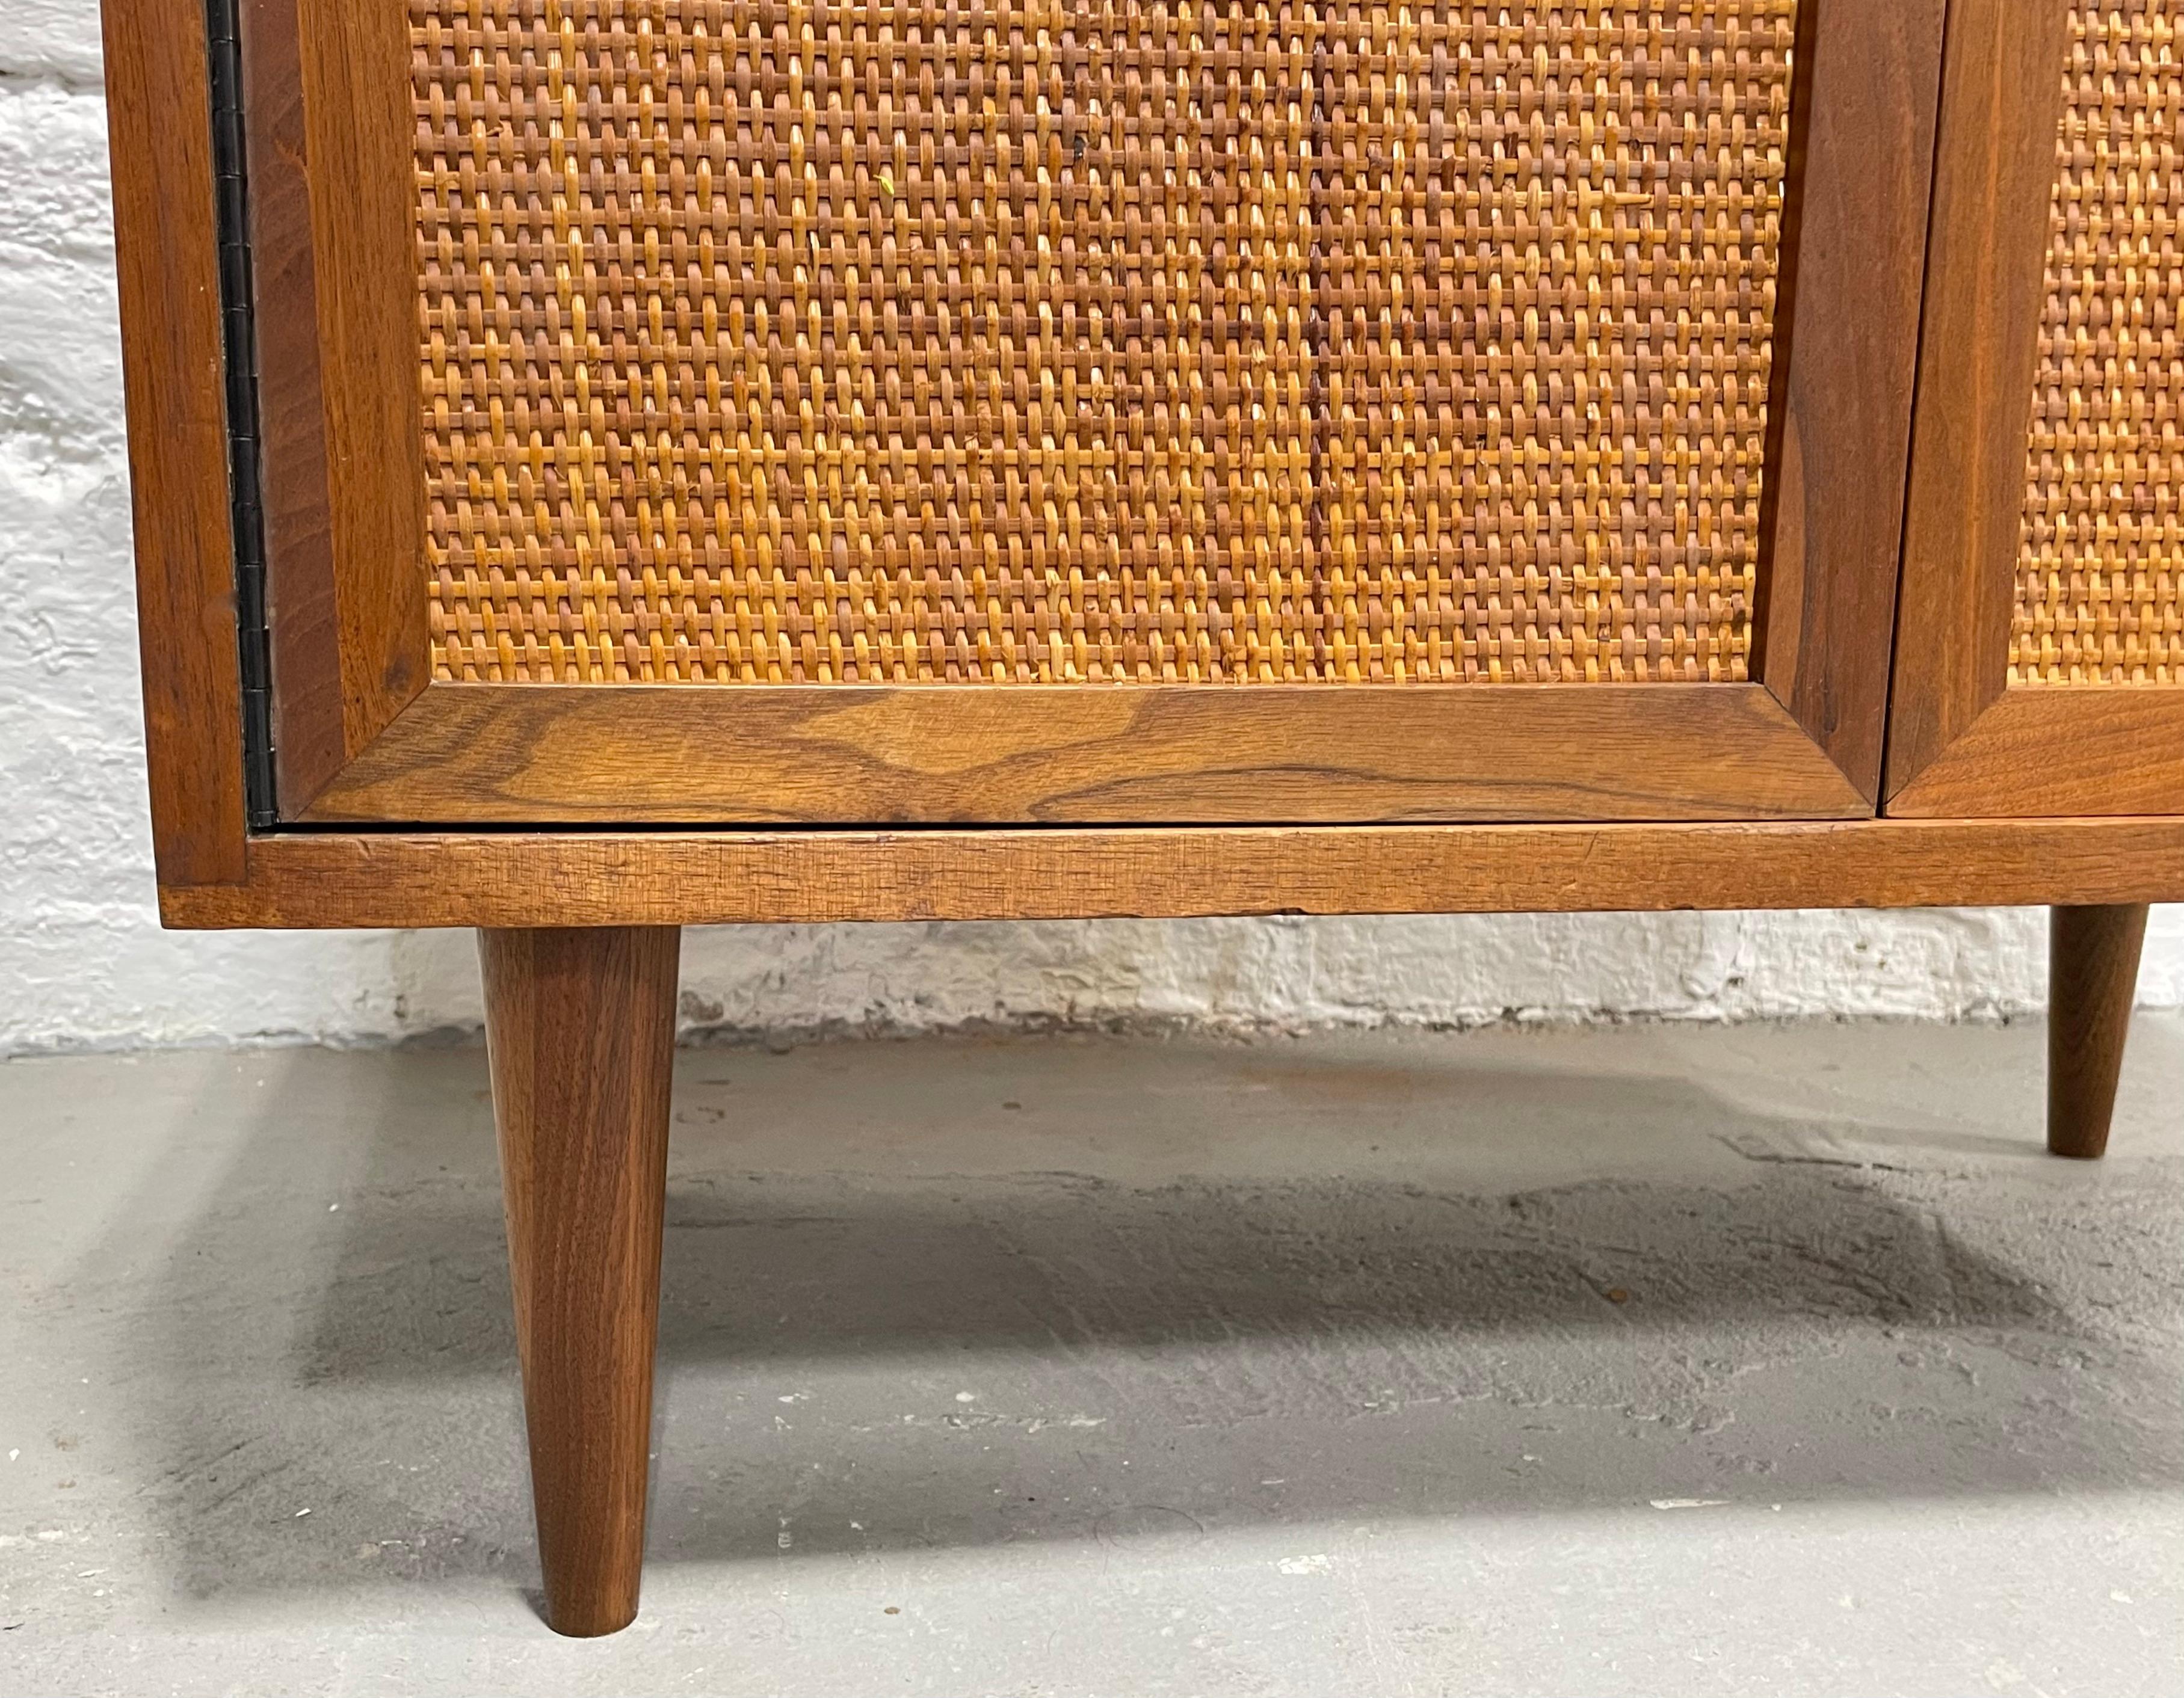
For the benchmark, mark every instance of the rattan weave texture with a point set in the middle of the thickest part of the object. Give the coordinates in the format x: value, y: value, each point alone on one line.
x: 1262, y: 341
x: 2100, y: 581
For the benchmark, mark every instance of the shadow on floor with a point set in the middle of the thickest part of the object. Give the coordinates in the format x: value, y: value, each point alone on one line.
x: 863, y: 1357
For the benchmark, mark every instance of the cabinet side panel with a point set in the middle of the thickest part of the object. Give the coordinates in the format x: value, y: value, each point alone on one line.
x: 167, y: 253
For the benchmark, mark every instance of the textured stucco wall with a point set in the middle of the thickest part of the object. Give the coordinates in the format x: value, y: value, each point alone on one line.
x: 82, y: 960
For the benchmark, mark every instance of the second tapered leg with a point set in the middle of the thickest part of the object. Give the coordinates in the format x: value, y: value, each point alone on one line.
x: 2093, y: 974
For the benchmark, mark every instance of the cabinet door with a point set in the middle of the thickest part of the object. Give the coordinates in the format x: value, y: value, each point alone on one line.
x: 2041, y: 661
x: 773, y: 411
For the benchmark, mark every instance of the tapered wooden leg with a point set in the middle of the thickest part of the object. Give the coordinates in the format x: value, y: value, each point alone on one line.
x: 2092, y: 956
x: 581, y: 1028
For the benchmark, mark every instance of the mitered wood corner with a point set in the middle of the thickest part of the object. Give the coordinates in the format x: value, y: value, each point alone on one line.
x: 2056, y: 750
x: 335, y: 266
x: 1964, y: 741
x: 1869, y: 80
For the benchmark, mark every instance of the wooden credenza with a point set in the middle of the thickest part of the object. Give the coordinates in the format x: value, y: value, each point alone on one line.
x: 603, y: 466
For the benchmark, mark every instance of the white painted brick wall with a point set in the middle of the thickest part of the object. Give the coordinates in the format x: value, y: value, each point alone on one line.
x: 82, y: 960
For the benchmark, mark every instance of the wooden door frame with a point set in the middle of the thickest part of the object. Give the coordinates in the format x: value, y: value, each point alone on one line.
x: 1961, y: 741
x: 343, y: 462
x: 362, y: 736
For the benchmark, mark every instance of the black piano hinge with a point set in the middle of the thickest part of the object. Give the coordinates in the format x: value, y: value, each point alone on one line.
x: 231, y: 192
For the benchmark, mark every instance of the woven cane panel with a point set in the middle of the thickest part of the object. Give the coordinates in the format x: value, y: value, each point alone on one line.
x: 773, y: 343
x: 2100, y: 581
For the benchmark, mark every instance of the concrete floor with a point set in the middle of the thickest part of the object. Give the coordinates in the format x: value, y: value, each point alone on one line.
x: 1650, y: 1359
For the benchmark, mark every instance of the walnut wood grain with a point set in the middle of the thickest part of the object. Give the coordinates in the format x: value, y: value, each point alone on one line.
x: 602, y: 754
x: 357, y: 133
x: 1994, y: 179
x: 1869, y: 78
x: 467, y: 753
x: 580, y: 1026
x: 312, y: 879
x: 167, y: 267
x: 2092, y: 976
x: 2059, y: 750
x: 310, y: 740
